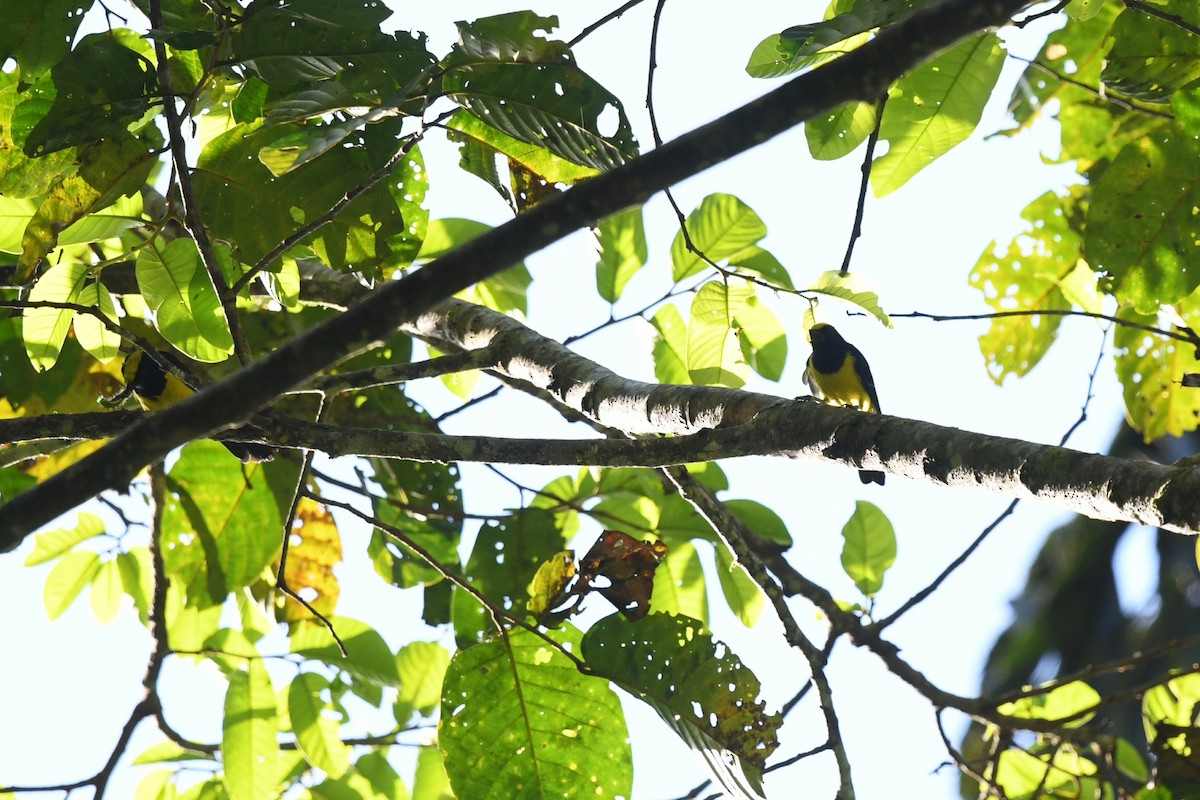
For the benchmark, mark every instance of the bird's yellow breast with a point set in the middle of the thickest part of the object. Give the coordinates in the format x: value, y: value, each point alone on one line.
x: 843, y: 387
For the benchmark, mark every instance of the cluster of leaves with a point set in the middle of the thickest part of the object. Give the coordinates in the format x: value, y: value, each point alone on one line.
x: 308, y: 125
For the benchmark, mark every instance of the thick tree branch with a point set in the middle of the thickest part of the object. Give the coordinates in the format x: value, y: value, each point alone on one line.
x: 860, y: 75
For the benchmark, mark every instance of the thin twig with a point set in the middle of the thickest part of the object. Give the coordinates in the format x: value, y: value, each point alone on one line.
x: 868, y: 161
x: 1174, y: 19
x: 607, y: 18
x: 1187, y: 335
x: 281, y: 573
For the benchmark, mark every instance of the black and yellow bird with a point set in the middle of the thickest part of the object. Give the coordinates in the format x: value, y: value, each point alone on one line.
x: 156, y: 389
x: 837, y: 373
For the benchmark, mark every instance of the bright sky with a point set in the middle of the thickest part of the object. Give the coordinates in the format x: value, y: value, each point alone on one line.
x: 919, y: 245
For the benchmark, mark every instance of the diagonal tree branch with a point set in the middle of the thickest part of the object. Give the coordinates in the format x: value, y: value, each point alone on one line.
x: 860, y: 75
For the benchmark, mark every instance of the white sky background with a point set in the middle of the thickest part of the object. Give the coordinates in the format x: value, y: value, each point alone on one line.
x: 73, y: 683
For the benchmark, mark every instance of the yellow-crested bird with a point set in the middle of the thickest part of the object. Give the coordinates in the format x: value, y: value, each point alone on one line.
x: 156, y: 389
x: 837, y: 373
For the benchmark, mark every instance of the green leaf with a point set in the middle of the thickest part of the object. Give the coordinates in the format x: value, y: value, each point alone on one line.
x: 1151, y: 58
x: 760, y: 519
x: 96, y: 92
x: 431, y: 781
x: 167, y: 751
x: 869, y: 548
x: 1151, y: 369
x: 621, y: 241
x: 1023, y: 776
x: 181, y: 294
x: 538, y: 160
x: 385, y: 782
x: 853, y: 289
x: 679, y: 586
x: 503, y: 562
x: 45, y: 329
x: 1060, y: 703
x: 422, y: 667
x: 670, y: 346
x: 156, y: 785
x: 74, y: 571
x: 106, y: 592
x: 721, y: 226
x: 51, y: 544
x: 700, y: 689
x: 519, y: 720
x: 245, y: 204
x: 763, y: 263
x: 222, y: 521
x: 935, y: 107
x: 303, y: 42
x: 368, y: 656
x: 137, y: 578
x: 1140, y: 226
x: 38, y: 34
x: 249, y: 736
x: 838, y: 132
x: 1027, y: 275
x: 714, y: 356
x: 762, y: 338
x: 316, y: 735
x: 508, y: 73
x: 1171, y: 703
x: 102, y: 343
x: 105, y: 223
x: 745, y: 597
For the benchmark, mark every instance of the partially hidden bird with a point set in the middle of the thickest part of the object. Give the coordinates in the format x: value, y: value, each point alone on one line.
x: 156, y: 389
x: 837, y: 374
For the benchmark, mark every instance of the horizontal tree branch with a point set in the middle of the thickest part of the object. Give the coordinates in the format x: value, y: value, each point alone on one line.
x: 863, y: 74
x: 1101, y: 487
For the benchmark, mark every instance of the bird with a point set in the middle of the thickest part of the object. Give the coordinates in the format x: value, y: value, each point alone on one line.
x: 837, y: 374
x: 156, y: 389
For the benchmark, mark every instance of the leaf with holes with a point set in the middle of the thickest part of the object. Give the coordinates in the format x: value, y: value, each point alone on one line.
x: 700, y: 689
x: 507, y: 73
x: 520, y: 721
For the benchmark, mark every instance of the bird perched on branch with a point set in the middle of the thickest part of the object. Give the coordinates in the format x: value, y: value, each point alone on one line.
x: 156, y: 389
x: 837, y: 373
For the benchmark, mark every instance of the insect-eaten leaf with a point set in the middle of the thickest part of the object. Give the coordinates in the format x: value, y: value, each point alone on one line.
x: 618, y: 566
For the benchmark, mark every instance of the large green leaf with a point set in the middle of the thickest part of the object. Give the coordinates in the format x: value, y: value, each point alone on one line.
x: 1140, y: 225
x: 519, y: 721
x: 1027, y: 276
x: 249, y: 736
x: 745, y: 597
x: 510, y: 75
x: 180, y: 292
x: 1153, y: 57
x: 721, y: 226
x: 935, y: 107
x: 93, y: 335
x: 223, y: 521
x: 761, y: 337
x: 20, y: 175
x: 699, y: 688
